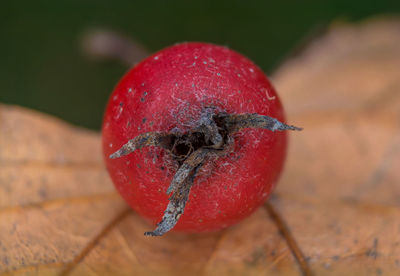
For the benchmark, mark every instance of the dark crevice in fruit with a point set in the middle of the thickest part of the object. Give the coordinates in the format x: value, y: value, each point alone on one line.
x: 186, y: 144
x: 211, y: 136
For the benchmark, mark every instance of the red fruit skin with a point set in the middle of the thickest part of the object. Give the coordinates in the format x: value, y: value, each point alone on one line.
x: 167, y: 91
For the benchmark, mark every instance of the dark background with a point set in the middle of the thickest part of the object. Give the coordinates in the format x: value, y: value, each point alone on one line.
x: 42, y: 66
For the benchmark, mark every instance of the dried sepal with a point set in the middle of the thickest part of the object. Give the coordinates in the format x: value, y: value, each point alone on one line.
x: 192, y: 162
x: 216, y: 130
x: 158, y: 139
x: 236, y: 122
x: 176, y: 206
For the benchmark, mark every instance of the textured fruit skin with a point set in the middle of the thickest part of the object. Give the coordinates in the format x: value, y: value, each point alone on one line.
x: 167, y: 92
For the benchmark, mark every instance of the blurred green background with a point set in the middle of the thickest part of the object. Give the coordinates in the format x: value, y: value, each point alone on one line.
x: 42, y: 66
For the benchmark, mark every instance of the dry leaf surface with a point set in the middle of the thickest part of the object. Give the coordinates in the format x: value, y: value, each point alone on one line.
x: 340, y: 194
x: 337, y: 204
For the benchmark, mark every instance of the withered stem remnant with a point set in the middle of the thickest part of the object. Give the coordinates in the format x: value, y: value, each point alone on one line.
x: 211, y: 136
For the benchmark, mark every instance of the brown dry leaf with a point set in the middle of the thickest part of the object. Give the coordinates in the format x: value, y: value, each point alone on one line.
x: 339, y: 197
x: 340, y: 194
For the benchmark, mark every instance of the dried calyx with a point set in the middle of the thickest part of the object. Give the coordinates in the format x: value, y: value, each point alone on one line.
x: 211, y: 137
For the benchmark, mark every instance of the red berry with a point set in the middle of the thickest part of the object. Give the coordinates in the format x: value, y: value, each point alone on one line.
x: 169, y: 92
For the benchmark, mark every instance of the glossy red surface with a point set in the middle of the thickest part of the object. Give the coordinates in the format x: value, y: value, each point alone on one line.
x: 167, y: 91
